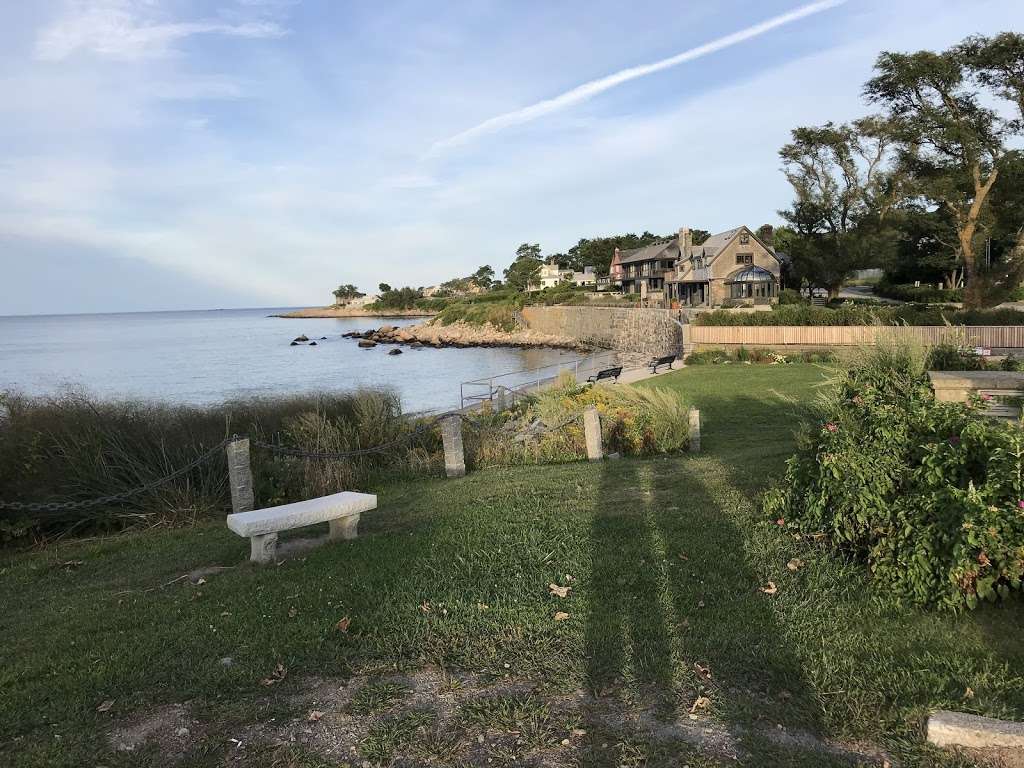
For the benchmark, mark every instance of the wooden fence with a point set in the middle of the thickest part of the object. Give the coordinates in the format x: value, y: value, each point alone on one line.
x: 993, y: 336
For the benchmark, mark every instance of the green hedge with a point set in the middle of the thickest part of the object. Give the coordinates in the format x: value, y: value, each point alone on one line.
x: 854, y: 314
x: 930, y: 495
x: 918, y: 293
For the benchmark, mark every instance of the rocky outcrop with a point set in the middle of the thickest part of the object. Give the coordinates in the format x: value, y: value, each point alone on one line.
x: 462, y: 335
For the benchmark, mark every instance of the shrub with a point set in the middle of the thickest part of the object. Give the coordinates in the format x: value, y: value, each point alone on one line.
x: 789, y: 296
x: 72, y: 447
x: 758, y: 355
x: 951, y: 357
x: 862, y: 314
x: 547, y: 426
x: 929, y: 495
x: 922, y: 293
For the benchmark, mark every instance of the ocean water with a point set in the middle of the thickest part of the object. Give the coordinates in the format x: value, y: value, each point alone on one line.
x: 210, y: 356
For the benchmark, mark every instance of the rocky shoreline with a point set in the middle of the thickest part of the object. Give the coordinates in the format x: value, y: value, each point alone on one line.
x: 459, y: 335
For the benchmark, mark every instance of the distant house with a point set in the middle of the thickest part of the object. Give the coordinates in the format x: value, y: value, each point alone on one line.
x: 732, y: 268
x: 356, y: 303
x: 643, y: 270
x: 551, y: 275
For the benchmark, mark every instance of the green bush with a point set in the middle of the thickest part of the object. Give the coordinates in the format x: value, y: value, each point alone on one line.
x: 930, y: 495
x: 789, y: 296
x: 758, y: 355
x: 923, y: 293
x: 862, y: 314
x: 950, y: 357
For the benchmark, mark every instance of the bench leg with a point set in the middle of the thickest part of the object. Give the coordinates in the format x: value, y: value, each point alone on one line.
x: 264, y: 548
x: 344, y: 528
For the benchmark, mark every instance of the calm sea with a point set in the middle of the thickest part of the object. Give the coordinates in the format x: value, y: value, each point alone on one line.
x: 210, y: 356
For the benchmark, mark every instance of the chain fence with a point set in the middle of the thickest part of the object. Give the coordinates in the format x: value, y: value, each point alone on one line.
x: 276, y: 448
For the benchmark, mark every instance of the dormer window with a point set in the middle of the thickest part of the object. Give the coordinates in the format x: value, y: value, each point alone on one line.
x: 744, y: 239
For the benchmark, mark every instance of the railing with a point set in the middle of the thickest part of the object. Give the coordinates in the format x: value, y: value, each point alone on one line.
x: 509, y: 386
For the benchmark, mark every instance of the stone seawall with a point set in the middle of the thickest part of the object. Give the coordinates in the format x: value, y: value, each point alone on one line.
x: 644, y: 333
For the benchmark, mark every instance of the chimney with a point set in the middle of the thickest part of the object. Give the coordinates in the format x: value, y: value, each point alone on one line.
x: 685, y: 243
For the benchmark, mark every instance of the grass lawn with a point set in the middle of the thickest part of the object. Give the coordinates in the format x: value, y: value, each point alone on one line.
x: 670, y: 654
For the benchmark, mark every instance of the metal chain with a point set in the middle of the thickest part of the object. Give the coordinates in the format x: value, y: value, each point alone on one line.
x: 60, y: 506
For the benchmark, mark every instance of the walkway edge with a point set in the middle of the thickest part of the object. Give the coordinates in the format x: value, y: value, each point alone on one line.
x: 947, y: 729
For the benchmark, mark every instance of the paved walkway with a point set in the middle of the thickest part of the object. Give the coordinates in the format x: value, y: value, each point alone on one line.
x: 633, y: 375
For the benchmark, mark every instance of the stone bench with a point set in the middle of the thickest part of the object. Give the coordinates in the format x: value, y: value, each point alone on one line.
x: 261, y: 526
x: 1003, y: 389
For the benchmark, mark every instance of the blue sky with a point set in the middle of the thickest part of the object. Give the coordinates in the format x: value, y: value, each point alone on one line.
x: 221, y: 153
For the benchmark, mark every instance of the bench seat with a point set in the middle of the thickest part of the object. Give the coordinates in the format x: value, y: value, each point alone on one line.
x: 261, y: 526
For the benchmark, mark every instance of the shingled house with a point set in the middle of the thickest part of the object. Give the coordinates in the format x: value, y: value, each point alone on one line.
x: 731, y: 268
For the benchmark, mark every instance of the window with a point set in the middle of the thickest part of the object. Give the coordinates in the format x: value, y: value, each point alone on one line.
x: 744, y: 258
x: 744, y: 238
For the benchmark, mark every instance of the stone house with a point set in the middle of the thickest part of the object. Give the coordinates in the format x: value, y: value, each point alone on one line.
x: 731, y: 268
x: 551, y: 275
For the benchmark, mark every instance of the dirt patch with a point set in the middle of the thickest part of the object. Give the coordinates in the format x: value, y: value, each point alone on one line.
x: 171, y: 729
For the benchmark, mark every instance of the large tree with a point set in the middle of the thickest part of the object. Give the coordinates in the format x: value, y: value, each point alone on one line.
x: 347, y: 291
x: 521, y: 272
x: 846, y: 187
x: 953, y: 140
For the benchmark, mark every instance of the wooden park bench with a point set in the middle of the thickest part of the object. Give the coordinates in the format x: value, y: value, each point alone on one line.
x: 659, y: 361
x: 261, y: 526
x: 607, y: 373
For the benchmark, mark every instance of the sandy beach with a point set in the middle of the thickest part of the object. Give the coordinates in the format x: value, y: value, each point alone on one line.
x: 331, y: 312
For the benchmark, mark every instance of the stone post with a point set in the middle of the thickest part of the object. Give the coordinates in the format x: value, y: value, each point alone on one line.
x: 502, y: 400
x: 454, y: 456
x: 592, y: 432
x: 694, y: 430
x: 240, y: 475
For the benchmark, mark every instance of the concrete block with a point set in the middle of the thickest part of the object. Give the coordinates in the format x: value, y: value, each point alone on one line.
x: 956, y: 729
x: 454, y: 454
x: 592, y: 433
x: 695, y: 430
x: 263, y: 548
x: 240, y: 475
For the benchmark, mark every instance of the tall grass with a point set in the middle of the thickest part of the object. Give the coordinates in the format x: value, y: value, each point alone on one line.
x: 73, y: 447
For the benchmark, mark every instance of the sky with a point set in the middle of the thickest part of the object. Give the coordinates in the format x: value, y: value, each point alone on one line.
x: 187, y: 154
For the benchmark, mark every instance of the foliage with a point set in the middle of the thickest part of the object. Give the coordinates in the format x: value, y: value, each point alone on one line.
x: 952, y: 357
x: 524, y: 269
x: 347, y: 291
x: 758, y: 355
x: 919, y: 293
x: 397, y: 298
x: 497, y: 312
x: 73, y: 447
x: 598, y: 251
x: 790, y: 296
x: 928, y: 494
x: 846, y: 186
x: 951, y: 115
x: 862, y: 314
x: 548, y: 426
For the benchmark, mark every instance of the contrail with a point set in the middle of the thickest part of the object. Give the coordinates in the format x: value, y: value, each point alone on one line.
x: 588, y: 90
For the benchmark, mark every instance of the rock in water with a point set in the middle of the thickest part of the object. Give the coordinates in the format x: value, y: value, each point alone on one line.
x: 294, y: 344
x: 395, y: 352
x: 303, y: 337
x: 386, y: 329
x: 312, y: 343
x: 366, y: 344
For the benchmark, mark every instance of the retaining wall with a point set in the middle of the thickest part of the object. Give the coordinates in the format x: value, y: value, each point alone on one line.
x: 643, y: 332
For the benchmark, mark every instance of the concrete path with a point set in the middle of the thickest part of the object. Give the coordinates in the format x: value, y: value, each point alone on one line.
x: 633, y: 375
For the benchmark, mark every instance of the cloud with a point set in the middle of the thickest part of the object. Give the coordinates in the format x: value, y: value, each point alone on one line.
x: 122, y: 29
x: 590, y: 89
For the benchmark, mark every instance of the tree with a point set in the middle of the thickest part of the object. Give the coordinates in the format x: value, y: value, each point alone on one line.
x: 384, y: 288
x: 346, y: 292
x: 953, y: 144
x: 846, y: 187
x: 524, y: 269
x: 598, y: 252
x: 398, y: 298
x: 483, y: 277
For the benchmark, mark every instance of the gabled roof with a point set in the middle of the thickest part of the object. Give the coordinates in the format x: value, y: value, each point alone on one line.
x: 667, y: 249
x: 710, y: 247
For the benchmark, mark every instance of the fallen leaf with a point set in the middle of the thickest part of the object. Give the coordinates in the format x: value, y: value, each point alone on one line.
x: 700, y: 603
x: 314, y: 715
x: 342, y: 624
x: 780, y: 521
x: 704, y: 672
x: 561, y: 616
x: 279, y: 674
x: 293, y: 612
x: 969, y: 693
x: 200, y: 582
x: 683, y: 556
x: 578, y: 732
x: 482, y: 606
x: 702, y: 702
x: 554, y: 589
x: 770, y: 588
x: 795, y: 564
x: 105, y: 706
x: 425, y: 607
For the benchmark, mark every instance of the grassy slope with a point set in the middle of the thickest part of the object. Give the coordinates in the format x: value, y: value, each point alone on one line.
x: 667, y: 556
